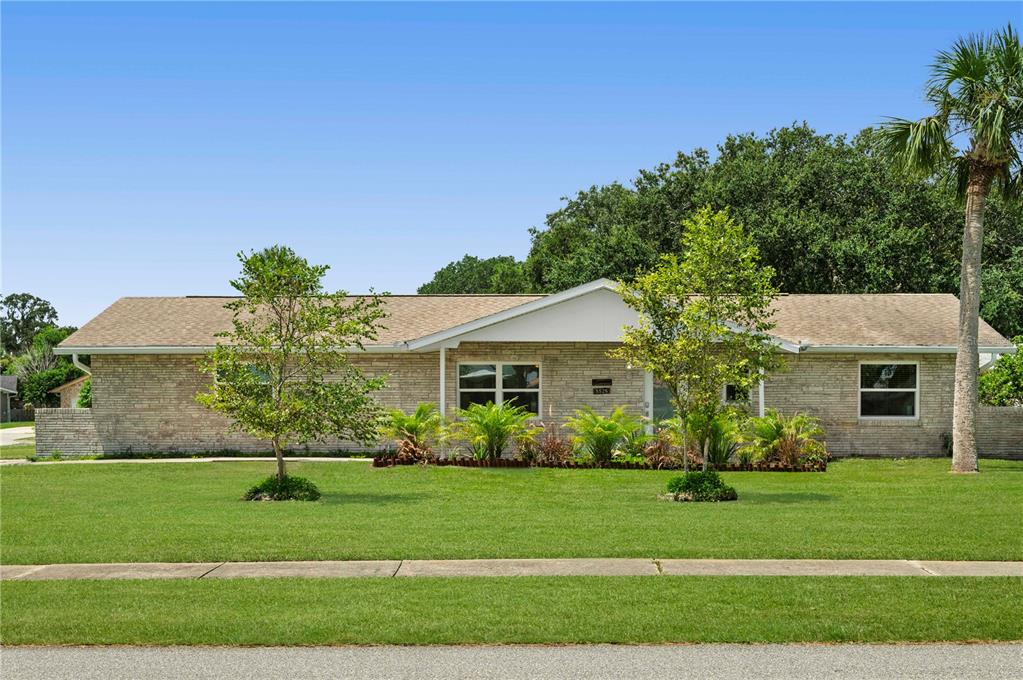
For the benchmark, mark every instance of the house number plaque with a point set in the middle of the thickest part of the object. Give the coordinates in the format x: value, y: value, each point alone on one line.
x: 601, y: 385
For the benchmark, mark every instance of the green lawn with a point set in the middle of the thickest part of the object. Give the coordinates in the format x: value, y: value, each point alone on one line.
x: 909, y: 509
x: 17, y: 450
x: 16, y: 423
x: 509, y: 610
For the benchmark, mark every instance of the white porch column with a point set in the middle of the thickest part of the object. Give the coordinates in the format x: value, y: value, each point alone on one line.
x: 442, y: 402
x: 760, y: 394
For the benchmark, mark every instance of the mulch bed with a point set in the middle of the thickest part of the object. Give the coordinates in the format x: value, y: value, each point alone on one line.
x: 508, y: 463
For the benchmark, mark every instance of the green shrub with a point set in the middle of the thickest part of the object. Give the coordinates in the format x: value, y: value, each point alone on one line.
x: 791, y: 440
x: 415, y: 433
x: 701, y: 486
x: 601, y: 436
x: 489, y: 429
x: 290, y: 489
x: 1002, y: 384
x: 34, y: 388
x: 722, y: 441
x: 85, y: 395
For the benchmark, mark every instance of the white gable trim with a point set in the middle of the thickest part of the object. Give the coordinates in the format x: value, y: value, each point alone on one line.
x: 441, y: 338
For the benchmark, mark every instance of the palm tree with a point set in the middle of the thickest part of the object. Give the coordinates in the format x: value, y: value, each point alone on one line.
x: 974, y: 133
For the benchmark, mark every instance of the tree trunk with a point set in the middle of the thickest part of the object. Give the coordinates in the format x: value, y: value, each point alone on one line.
x: 706, y: 450
x: 279, y: 453
x: 685, y: 452
x: 964, y: 415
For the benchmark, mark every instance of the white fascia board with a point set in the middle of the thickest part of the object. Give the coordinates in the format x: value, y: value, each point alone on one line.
x: 513, y: 312
x: 899, y: 349
x: 196, y: 350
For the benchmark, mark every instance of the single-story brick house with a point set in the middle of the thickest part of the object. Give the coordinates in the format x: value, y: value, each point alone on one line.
x: 876, y: 369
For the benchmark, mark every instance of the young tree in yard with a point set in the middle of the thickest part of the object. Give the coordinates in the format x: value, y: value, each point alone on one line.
x: 703, y: 318
x: 976, y: 129
x: 282, y: 373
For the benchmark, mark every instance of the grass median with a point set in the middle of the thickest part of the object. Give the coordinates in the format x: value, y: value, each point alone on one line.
x: 557, y: 610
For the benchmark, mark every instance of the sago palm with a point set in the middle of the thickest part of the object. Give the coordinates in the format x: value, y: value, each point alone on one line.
x: 974, y: 132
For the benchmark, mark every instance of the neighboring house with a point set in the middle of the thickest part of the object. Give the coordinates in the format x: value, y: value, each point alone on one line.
x: 876, y: 369
x: 69, y: 392
x: 8, y: 389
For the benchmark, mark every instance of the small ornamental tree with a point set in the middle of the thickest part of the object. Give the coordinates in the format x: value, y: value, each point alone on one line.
x: 282, y: 372
x: 704, y: 319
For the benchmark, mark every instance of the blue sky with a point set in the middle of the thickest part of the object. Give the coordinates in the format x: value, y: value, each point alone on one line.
x: 145, y: 144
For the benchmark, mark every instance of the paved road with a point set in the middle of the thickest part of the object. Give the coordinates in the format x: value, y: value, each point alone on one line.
x: 791, y: 662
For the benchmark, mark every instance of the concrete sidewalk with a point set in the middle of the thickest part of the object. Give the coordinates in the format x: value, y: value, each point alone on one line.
x: 506, y: 567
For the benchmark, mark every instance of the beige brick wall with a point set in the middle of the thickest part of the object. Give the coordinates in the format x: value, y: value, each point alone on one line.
x: 827, y: 386
x: 70, y: 431
x: 1000, y: 430
x: 566, y: 372
x: 146, y: 403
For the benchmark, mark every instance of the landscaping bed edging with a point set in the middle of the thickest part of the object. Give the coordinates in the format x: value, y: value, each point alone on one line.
x: 508, y: 463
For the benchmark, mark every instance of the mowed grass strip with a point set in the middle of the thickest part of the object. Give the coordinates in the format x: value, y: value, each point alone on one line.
x: 511, y: 610
x: 17, y: 450
x: 180, y: 512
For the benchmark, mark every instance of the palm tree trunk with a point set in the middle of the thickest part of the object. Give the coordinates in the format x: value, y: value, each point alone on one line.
x: 279, y: 453
x: 964, y: 415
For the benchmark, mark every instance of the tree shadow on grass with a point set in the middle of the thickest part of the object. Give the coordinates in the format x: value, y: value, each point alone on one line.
x: 785, y: 497
x: 376, y: 499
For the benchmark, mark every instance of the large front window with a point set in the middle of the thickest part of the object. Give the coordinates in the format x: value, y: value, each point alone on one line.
x: 888, y: 390
x: 499, y: 382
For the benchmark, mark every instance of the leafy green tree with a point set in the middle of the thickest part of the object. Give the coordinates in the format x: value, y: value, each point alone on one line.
x: 282, y: 373
x: 1002, y: 385
x: 976, y: 131
x: 34, y: 388
x: 85, y: 395
x: 22, y: 316
x: 493, y: 275
x: 39, y: 370
x: 830, y: 214
x: 704, y: 318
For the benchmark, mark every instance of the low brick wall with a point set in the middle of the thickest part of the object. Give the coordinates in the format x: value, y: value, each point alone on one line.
x: 71, y: 431
x: 1000, y: 431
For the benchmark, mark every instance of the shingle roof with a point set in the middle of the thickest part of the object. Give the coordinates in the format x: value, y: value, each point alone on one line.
x: 194, y: 321
x: 899, y: 320
x: 895, y: 320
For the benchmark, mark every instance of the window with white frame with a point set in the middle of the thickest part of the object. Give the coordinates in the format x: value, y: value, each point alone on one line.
x: 889, y: 389
x: 498, y: 382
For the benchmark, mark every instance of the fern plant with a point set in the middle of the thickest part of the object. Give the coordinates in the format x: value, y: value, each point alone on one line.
x: 489, y: 429
x: 415, y: 432
x: 789, y: 440
x: 601, y: 436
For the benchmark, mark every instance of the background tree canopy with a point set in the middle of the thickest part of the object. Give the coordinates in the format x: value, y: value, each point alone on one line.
x: 829, y: 214
x: 502, y: 274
